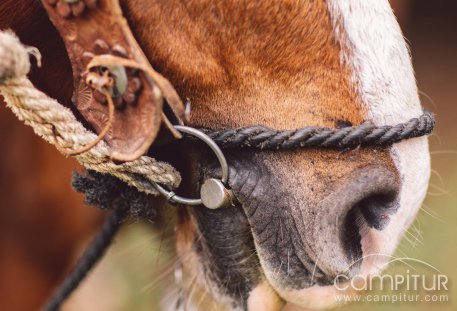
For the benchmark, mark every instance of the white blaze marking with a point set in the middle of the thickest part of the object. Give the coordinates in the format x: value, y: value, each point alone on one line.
x: 372, y: 45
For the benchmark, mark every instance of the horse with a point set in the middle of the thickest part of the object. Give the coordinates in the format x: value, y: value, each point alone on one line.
x: 302, y: 218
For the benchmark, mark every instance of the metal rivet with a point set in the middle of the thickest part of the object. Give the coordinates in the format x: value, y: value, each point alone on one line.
x: 214, y: 194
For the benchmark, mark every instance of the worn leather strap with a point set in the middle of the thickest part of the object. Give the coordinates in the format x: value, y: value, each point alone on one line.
x: 95, y: 31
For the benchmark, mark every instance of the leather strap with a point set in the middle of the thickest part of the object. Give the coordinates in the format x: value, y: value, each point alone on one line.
x: 95, y: 30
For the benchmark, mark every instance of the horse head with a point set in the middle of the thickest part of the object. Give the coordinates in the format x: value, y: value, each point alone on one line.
x: 302, y: 218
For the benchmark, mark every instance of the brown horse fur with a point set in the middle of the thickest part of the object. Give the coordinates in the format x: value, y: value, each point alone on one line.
x: 277, y: 64
x: 300, y: 215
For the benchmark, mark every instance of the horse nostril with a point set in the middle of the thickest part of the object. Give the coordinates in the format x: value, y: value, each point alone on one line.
x: 374, y: 200
x: 377, y: 208
x: 350, y: 236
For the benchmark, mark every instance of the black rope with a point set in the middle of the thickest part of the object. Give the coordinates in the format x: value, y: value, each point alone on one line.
x: 107, y: 193
x: 366, y: 134
x: 91, y: 256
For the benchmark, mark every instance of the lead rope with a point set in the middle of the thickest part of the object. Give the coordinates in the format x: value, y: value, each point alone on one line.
x: 89, y: 258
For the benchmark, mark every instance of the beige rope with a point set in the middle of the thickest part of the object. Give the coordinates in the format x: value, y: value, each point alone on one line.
x: 47, y: 117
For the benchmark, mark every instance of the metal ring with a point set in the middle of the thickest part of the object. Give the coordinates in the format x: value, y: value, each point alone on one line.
x: 173, y: 197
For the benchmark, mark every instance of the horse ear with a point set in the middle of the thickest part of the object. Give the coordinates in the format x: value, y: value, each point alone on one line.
x: 113, y: 80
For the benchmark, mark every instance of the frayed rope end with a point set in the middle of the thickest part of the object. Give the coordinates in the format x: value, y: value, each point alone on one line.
x: 14, y: 57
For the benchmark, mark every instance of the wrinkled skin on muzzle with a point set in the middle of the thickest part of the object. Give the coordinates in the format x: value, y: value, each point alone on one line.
x: 298, y: 220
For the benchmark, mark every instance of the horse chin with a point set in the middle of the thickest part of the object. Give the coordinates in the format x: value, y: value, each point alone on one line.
x: 318, y: 297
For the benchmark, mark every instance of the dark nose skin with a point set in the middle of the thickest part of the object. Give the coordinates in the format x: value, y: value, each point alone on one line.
x: 307, y: 236
x: 367, y: 198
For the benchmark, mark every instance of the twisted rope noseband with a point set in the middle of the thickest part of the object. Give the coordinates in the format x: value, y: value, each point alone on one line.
x: 214, y: 193
x: 366, y: 134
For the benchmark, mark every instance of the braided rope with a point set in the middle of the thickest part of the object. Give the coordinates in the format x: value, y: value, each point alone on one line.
x: 343, y: 138
x: 47, y: 117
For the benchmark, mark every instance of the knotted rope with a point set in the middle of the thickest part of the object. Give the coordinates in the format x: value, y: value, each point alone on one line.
x: 47, y: 117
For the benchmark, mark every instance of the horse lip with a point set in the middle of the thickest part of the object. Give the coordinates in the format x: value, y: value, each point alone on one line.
x: 244, y: 180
